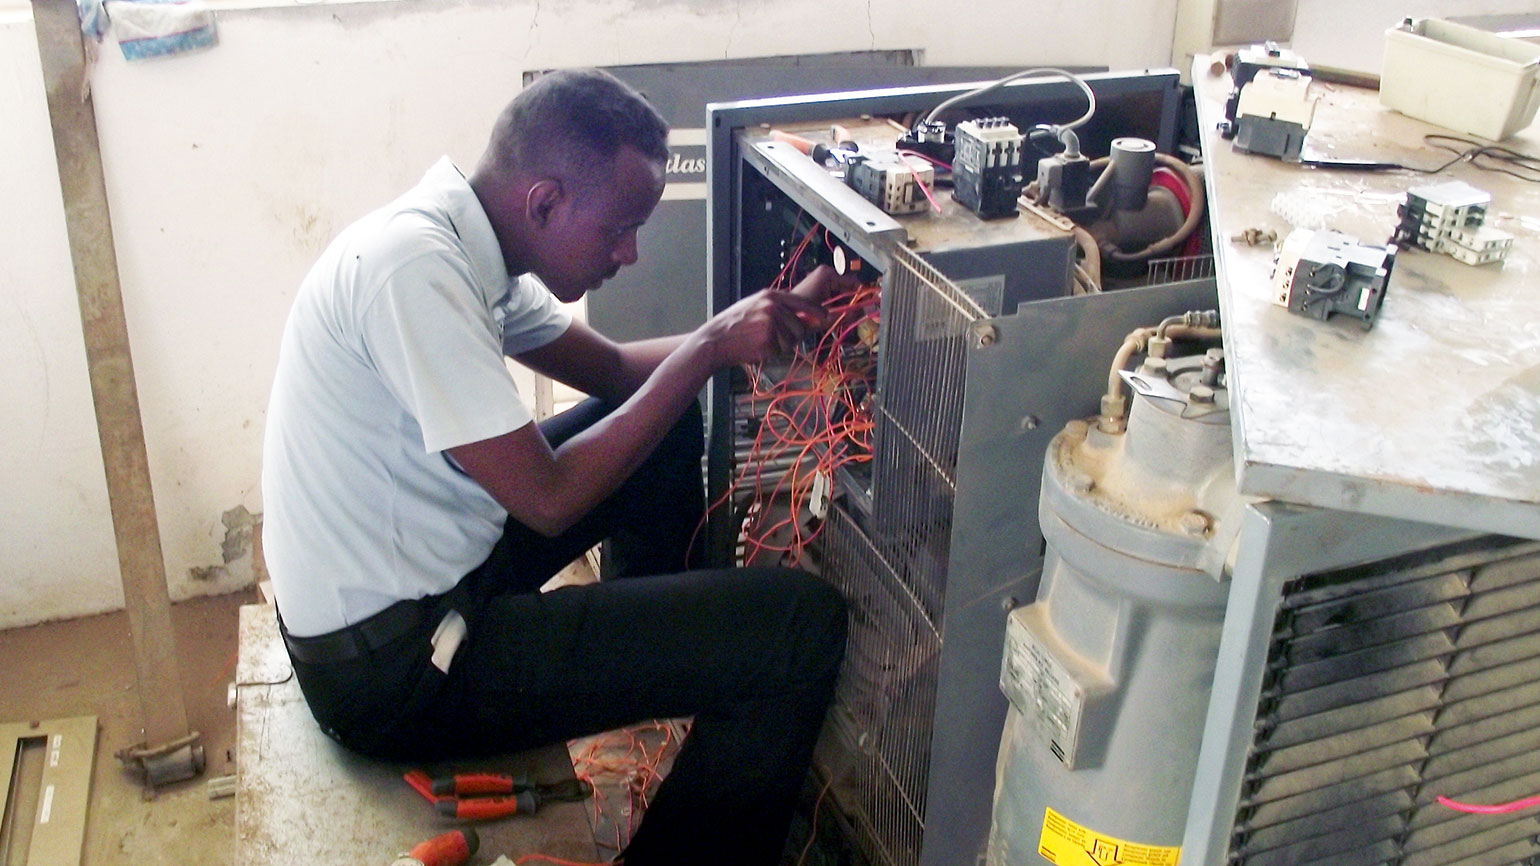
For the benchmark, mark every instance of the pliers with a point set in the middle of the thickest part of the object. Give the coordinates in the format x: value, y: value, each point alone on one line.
x: 479, y: 796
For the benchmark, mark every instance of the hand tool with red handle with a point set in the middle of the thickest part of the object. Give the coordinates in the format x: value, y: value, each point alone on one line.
x: 446, y: 849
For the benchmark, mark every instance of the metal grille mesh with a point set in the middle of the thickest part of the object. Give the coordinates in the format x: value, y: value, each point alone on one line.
x: 926, y: 323
x: 1179, y: 269
x: 892, y: 569
x: 885, y: 703
x: 1387, y: 686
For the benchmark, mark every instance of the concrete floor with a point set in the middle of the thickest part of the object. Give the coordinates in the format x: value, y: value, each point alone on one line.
x: 85, y: 667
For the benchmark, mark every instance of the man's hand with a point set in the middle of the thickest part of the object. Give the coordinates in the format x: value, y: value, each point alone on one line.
x: 824, y: 283
x: 773, y: 322
x: 768, y: 323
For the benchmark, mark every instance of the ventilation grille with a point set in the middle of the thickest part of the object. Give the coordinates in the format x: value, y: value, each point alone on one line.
x: 885, y: 704
x: 891, y: 563
x: 1391, y: 684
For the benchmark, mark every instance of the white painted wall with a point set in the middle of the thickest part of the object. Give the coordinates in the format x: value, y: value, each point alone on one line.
x: 227, y: 172
x: 56, y: 550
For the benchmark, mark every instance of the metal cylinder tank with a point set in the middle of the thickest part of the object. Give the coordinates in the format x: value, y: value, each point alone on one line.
x: 1108, y: 671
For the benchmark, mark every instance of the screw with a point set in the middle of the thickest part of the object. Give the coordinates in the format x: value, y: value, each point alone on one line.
x: 1008, y: 603
x: 1214, y: 355
x: 1196, y: 523
x: 1254, y: 236
x: 1030, y: 422
x: 985, y: 333
x: 1201, y: 394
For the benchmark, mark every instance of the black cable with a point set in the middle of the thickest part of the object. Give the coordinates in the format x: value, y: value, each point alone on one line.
x: 1354, y: 164
x: 1483, y: 156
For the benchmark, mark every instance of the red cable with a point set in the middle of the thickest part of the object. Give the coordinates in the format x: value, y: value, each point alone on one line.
x: 1497, y: 809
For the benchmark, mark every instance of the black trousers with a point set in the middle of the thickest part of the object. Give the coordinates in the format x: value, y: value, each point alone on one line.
x: 751, y: 653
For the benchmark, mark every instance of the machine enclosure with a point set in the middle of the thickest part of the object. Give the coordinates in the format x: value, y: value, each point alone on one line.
x: 1109, y: 670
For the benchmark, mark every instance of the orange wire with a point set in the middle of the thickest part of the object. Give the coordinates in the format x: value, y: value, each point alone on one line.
x: 812, y: 832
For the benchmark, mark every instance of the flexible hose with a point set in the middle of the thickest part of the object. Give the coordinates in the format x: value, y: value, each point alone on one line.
x: 1093, y: 255
x: 1196, y: 324
x: 1134, y: 342
x: 1084, y: 284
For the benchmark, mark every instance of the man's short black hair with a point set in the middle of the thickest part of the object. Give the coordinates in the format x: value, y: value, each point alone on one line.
x: 571, y: 122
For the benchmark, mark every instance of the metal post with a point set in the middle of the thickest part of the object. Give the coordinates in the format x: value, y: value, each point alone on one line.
x: 169, y: 750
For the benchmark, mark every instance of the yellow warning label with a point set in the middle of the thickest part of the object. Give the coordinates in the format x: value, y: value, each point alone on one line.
x: 1068, y: 844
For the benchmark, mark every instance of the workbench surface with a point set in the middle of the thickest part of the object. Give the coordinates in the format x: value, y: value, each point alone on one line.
x: 302, y: 799
x: 1434, y: 414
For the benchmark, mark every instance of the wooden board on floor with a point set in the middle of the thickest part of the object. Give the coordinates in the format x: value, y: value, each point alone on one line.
x: 302, y: 799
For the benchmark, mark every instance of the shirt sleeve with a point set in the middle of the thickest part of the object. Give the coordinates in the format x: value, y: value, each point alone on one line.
x: 534, y: 316
x: 436, y: 346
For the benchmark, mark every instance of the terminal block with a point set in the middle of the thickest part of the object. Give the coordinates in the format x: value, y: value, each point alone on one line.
x: 986, y: 168
x: 1450, y: 218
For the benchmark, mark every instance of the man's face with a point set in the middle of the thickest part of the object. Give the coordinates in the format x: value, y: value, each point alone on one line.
x: 591, y: 234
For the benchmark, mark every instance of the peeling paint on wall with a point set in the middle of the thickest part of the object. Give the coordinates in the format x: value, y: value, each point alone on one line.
x: 241, y: 531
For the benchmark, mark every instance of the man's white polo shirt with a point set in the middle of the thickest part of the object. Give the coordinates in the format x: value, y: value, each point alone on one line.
x: 393, y: 352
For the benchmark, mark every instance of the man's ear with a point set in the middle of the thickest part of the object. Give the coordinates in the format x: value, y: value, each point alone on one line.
x: 541, y: 200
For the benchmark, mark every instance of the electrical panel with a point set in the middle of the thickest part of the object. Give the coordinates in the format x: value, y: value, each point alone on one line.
x: 898, y: 456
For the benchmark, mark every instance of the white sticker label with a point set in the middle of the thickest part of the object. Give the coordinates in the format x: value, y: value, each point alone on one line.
x: 55, y: 746
x: 47, y: 809
x: 936, y: 319
x: 818, y: 497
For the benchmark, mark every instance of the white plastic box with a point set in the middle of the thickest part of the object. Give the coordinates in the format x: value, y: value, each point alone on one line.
x: 1460, y: 77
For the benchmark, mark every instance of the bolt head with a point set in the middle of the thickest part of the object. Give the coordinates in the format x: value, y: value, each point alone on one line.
x: 1196, y: 523
x: 1201, y: 394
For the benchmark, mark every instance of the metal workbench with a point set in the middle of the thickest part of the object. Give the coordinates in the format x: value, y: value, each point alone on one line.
x: 1434, y: 414
x: 1419, y: 433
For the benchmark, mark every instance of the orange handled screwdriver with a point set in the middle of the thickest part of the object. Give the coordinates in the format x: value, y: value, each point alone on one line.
x: 446, y: 849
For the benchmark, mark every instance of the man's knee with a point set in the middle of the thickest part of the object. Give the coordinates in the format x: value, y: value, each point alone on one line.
x: 818, y: 621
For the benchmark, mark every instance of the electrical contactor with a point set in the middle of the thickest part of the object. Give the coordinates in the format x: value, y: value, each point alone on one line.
x: 986, y: 171
x: 1325, y: 273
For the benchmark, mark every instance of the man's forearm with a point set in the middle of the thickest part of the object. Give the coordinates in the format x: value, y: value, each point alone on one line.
x: 593, y: 464
x: 640, y: 358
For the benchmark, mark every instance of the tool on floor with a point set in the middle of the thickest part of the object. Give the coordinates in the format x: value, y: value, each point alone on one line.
x: 446, y: 849
x: 481, y: 796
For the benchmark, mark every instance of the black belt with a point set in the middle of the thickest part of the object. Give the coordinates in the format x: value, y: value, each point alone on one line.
x: 346, y: 644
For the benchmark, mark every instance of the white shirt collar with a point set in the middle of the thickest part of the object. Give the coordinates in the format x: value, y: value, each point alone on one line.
x: 453, y: 190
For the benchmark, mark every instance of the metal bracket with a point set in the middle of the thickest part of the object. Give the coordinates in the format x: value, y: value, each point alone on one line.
x: 175, y: 761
